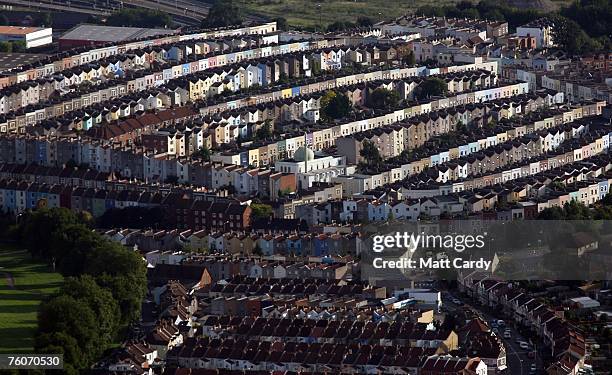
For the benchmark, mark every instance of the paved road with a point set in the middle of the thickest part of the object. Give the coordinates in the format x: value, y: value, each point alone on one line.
x: 52, y: 6
x: 183, y: 12
x: 517, y: 360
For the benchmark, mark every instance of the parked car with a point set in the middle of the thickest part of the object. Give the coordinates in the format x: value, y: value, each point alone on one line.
x: 457, y: 302
x: 501, y: 323
x: 524, y: 345
x: 507, y: 335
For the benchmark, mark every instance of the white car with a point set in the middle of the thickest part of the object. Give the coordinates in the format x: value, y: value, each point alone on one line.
x: 524, y: 345
x: 507, y: 335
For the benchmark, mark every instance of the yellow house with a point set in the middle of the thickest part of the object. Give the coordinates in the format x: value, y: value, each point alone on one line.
x: 254, y: 157
x: 195, y: 89
x: 286, y: 93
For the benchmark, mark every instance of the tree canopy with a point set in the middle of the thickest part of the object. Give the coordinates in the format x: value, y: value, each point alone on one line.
x: 335, y: 105
x: 100, y: 300
x: 264, y: 131
x: 569, y: 36
x: 260, y: 210
x: 432, y: 86
x: 67, y: 316
x: 223, y: 13
x: 371, y: 156
x: 202, y: 154
x: 382, y: 98
x: 139, y: 17
x: 103, y: 291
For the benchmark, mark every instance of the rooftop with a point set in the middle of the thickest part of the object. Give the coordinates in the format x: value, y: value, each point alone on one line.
x: 14, y: 60
x: 18, y: 30
x: 99, y: 33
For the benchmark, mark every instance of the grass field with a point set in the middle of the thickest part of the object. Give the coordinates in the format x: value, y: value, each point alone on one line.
x: 308, y: 13
x: 23, y: 284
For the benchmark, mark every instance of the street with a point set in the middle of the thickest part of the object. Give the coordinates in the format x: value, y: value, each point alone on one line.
x: 517, y: 359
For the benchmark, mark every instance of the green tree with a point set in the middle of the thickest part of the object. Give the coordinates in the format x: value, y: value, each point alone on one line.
x: 369, y: 152
x: 6, y: 47
x: 140, y: 17
x: 202, y: 154
x: 43, y: 224
x: 43, y: 19
x: 335, y: 105
x: 592, y: 15
x: 265, y: 131
x: 281, y: 23
x: 382, y: 98
x: 18, y: 46
x: 100, y: 301
x: 70, y: 247
x: 363, y: 21
x: 223, y: 13
x: 84, y: 318
x: 607, y: 200
x: 571, y: 38
x: 551, y: 213
x: 432, y: 86
x: 576, y: 211
x: 260, y: 210
x: 409, y: 59
x: 122, y: 272
x: 74, y: 318
x: 62, y: 343
x: 339, y: 26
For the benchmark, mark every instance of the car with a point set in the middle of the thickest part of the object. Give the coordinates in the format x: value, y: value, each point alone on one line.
x: 533, y: 367
x: 501, y: 323
x: 457, y: 302
x: 507, y: 335
x: 524, y: 345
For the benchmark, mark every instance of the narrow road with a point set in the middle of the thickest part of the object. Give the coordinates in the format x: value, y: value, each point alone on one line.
x: 517, y: 359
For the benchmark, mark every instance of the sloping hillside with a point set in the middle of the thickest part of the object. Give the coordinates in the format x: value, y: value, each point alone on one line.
x: 541, y: 5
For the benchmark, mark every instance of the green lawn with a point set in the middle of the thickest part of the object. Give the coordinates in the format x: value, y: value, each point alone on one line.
x: 307, y: 13
x: 32, y: 281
